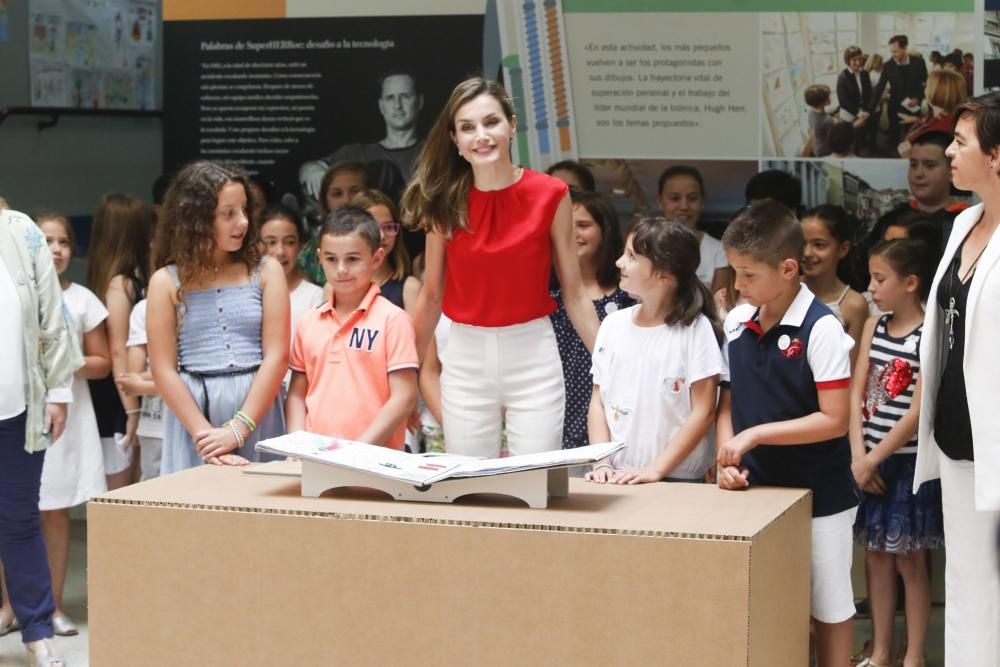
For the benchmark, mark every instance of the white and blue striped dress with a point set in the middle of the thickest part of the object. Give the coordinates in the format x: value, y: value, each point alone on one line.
x: 897, y: 521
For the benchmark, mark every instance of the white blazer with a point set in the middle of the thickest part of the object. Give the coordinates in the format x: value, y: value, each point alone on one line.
x: 981, y: 364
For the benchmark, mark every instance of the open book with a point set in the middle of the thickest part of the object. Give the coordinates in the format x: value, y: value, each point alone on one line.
x: 423, y: 469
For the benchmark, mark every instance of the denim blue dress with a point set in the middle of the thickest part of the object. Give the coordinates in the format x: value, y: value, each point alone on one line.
x: 218, y: 354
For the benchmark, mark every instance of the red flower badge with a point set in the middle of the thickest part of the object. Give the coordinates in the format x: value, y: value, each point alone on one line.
x: 794, y: 349
x: 900, y: 375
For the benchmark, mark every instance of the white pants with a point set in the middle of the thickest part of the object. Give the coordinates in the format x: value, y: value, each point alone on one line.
x: 972, y: 570
x: 493, y: 376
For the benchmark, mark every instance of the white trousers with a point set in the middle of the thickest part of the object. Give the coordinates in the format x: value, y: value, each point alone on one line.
x: 496, y: 376
x: 972, y: 571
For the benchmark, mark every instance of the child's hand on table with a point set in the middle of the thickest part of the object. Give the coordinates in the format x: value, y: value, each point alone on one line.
x: 636, y: 476
x: 732, y: 478
x: 731, y: 453
x: 601, y: 474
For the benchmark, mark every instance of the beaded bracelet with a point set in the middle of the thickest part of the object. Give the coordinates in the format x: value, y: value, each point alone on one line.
x: 246, y: 419
x: 236, y: 432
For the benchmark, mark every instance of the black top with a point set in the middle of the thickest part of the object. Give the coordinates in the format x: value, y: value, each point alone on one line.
x: 392, y: 290
x: 904, y: 81
x: 104, y: 396
x: 851, y: 98
x: 952, y: 425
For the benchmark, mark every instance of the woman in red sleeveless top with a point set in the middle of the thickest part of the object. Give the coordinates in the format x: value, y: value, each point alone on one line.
x: 494, y: 231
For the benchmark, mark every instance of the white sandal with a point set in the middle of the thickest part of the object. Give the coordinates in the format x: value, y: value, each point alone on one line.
x: 51, y: 658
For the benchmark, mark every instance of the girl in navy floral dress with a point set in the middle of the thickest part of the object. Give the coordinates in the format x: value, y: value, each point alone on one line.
x: 895, y: 526
x: 598, y: 244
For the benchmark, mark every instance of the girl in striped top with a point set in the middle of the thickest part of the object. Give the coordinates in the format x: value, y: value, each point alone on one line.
x: 895, y: 526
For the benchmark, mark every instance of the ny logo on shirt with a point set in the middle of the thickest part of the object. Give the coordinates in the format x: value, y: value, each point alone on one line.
x: 362, y: 338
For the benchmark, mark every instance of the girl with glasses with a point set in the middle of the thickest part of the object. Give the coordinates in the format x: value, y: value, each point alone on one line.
x: 393, y: 275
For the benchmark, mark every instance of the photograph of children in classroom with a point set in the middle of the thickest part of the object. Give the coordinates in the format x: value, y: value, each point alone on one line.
x: 860, y: 85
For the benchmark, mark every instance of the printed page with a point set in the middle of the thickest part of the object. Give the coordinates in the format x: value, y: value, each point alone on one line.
x: 382, y: 461
x: 555, y: 459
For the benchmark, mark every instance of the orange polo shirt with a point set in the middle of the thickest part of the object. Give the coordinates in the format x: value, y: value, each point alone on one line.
x: 347, y: 364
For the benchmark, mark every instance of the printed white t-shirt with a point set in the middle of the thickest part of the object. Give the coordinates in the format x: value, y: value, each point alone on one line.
x: 645, y: 376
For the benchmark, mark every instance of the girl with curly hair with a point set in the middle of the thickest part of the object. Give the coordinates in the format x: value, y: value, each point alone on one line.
x: 218, y: 322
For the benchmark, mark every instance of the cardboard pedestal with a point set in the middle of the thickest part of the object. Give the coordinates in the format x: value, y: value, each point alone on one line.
x: 214, y: 567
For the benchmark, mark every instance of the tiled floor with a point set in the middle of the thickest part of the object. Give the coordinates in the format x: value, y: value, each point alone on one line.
x: 75, y: 648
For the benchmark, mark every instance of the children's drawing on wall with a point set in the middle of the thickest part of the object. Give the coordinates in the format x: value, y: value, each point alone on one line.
x: 144, y: 81
x: 119, y: 91
x: 874, y: 73
x: 141, y: 24
x: 50, y: 87
x: 92, y: 45
x: 87, y: 90
x: 81, y: 44
x: 46, y: 33
x: 119, y: 31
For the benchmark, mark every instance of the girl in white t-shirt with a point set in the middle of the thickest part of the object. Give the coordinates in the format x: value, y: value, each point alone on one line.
x: 281, y: 233
x: 681, y: 196
x: 656, y: 365
x: 74, y: 466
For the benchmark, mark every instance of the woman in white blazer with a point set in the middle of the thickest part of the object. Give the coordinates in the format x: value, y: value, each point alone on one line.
x: 959, y: 433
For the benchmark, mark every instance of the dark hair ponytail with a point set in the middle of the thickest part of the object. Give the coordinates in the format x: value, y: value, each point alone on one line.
x: 909, y: 257
x: 674, y: 249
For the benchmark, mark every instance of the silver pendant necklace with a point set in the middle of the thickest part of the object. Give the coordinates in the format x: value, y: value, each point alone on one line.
x: 951, y: 314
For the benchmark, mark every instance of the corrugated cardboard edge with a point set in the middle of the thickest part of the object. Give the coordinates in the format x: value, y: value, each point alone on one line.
x: 781, y: 650
x: 388, y: 518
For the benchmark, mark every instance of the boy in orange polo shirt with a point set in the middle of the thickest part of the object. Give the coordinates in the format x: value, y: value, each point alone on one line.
x: 353, y: 359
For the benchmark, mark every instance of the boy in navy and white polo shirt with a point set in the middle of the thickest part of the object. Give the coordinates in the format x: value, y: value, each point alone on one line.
x: 784, y: 407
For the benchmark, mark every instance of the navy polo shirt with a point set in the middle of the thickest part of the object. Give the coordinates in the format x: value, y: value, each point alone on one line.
x: 777, y: 376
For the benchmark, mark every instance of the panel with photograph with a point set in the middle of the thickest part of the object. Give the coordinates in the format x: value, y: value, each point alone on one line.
x: 883, y: 120
x: 632, y: 187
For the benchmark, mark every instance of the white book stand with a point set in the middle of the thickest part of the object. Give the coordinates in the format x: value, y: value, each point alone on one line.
x: 534, y: 487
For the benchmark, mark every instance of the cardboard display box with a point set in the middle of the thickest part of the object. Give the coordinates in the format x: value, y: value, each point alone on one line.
x: 215, y: 567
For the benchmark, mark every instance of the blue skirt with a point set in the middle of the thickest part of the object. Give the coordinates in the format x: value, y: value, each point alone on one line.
x: 218, y: 397
x: 901, y: 521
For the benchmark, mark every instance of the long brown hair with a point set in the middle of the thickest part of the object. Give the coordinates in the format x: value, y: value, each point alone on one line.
x: 399, y: 258
x: 436, y: 198
x: 119, y: 244
x: 339, y: 167
x: 185, y: 233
